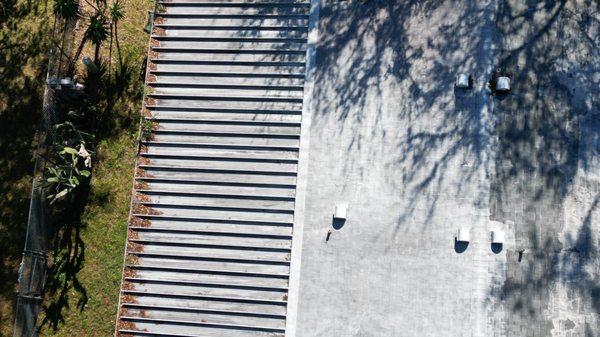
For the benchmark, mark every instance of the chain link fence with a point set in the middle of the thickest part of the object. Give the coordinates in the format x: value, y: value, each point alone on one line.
x: 33, y: 268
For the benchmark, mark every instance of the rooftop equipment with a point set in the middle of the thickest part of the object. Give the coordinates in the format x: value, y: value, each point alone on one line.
x: 463, y: 81
x: 463, y: 234
x: 66, y: 82
x: 341, y: 211
x: 498, y: 236
x: 503, y: 84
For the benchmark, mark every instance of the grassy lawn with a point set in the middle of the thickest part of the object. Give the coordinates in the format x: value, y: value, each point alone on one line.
x: 104, y: 238
x: 105, y: 217
x: 24, y: 40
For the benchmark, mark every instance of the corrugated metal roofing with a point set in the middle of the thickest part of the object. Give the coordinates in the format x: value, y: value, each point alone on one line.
x: 208, y: 251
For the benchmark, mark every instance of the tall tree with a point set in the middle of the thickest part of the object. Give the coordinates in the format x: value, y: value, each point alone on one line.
x: 117, y: 12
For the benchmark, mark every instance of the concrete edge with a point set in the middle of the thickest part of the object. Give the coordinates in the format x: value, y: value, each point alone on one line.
x: 308, y: 109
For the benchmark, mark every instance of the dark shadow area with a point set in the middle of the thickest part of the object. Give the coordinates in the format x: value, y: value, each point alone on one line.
x: 22, y: 72
x: 463, y: 93
x: 496, y: 248
x: 555, y: 65
x: 337, y: 224
x: 68, y: 256
x: 460, y: 246
x: 368, y: 51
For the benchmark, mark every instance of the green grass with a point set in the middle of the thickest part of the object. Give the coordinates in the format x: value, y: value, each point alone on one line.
x: 105, y: 217
x: 24, y: 38
x: 105, y: 222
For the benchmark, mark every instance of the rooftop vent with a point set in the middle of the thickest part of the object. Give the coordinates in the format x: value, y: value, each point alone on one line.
x: 341, y: 211
x: 464, y: 81
x: 463, y: 234
x: 66, y: 82
x: 503, y: 84
x: 498, y: 237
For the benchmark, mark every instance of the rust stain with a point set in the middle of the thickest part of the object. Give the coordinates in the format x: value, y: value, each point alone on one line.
x: 151, y: 78
x: 143, y: 209
x: 139, y: 222
x: 129, y: 272
x: 133, y: 235
x: 143, y: 161
x: 150, y: 101
x: 135, y: 247
x: 132, y: 259
x: 141, y: 198
x: 143, y: 149
x: 141, y: 185
x: 159, y: 31
x: 146, y: 112
x: 159, y: 20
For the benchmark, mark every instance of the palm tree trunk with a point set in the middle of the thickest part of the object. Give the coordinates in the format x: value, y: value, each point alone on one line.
x: 110, y: 48
x: 97, y: 54
x: 118, y: 47
x: 77, y: 55
x: 62, y: 47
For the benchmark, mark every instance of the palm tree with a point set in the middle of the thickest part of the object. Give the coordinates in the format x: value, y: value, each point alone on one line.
x: 97, y: 33
x: 67, y: 10
x: 116, y: 14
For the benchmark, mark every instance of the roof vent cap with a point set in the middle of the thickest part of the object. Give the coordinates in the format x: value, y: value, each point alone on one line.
x: 66, y: 82
x: 463, y: 81
x: 498, y: 236
x: 503, y: 84
x: 463, y: 235
x: 341, y: 211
